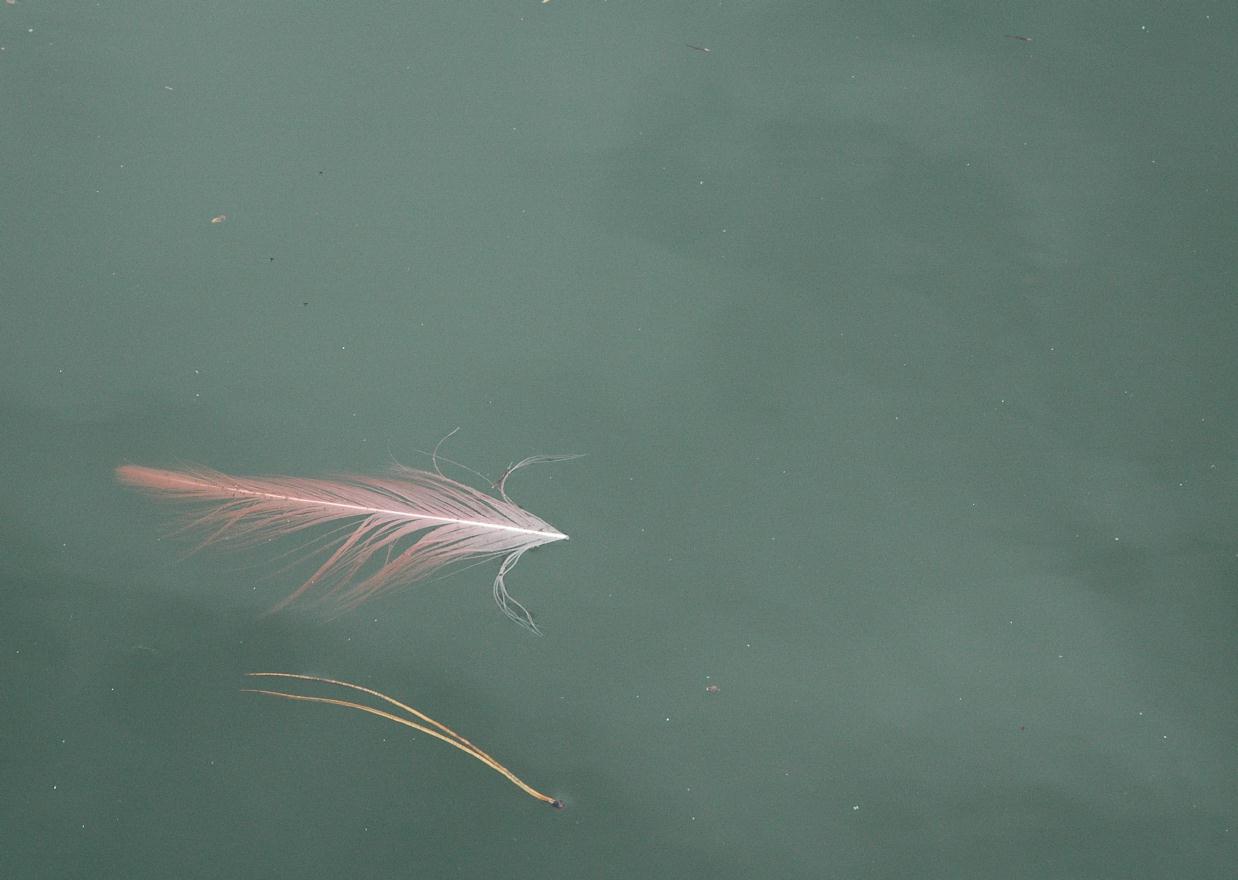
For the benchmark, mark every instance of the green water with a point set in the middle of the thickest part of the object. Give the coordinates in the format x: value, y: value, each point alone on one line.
x: 902, y: 354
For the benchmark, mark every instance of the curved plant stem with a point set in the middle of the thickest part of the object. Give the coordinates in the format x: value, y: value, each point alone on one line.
x: 430, y: 727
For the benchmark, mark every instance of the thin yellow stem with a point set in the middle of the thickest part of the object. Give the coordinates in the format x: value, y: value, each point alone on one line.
x: 373, y: 693
x: 442, y: 733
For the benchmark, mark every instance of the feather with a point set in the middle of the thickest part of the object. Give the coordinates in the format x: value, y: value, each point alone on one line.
x: 388, y: 532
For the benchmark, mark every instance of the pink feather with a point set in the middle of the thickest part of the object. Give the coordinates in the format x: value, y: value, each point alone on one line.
x: 389, y: 531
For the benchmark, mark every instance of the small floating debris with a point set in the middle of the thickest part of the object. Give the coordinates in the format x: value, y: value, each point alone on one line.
x: 411, y: 718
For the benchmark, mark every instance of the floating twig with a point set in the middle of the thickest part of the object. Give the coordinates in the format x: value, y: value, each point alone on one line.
x: 435, y: 729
